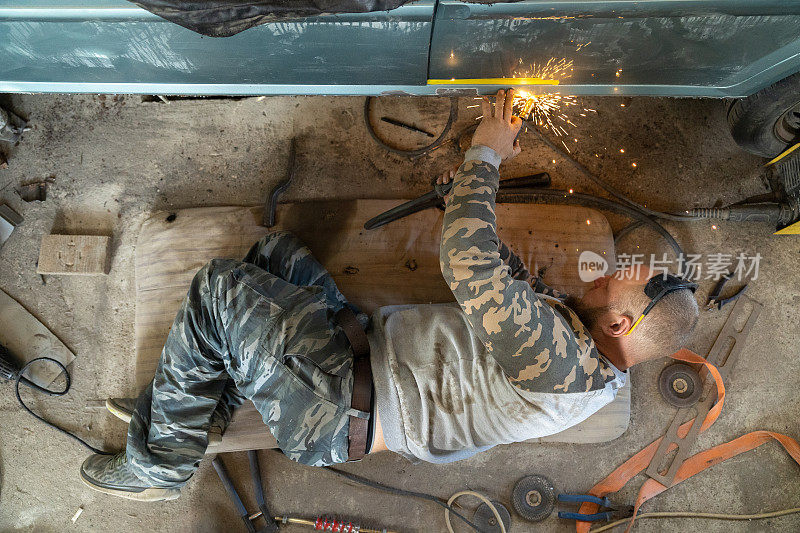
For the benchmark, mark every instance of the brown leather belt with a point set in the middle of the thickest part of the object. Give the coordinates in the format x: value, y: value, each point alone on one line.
x: 362, y: 383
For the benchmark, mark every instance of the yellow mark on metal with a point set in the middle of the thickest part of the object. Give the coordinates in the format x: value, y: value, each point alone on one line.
x: 493, y: 81
x: 783, y: 154
x: 794, y: 229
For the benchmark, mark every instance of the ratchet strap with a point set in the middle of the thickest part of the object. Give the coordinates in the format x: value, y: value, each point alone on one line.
x: 691, y: 466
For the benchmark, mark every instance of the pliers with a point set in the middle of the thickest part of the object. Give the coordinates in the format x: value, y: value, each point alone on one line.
x: 714, y: 300
x: 611, y: 511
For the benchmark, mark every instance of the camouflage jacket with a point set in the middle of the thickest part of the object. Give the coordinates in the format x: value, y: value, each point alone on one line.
x: 538, y: 341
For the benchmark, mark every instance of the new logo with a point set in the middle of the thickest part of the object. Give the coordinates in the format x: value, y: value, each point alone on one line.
x: 591, y: 266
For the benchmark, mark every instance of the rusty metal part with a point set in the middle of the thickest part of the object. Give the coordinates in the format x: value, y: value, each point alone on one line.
x: 271, y: 204
x: 34, y: 191
x: 723, y: 354
x: 395, y: 122
x: 534, y: 498
x: 484, y: 517
x: 680, y: 385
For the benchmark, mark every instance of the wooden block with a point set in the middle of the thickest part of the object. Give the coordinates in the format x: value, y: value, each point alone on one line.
x: 82, y: 255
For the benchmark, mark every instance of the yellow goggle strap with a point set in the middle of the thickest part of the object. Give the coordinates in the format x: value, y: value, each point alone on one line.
x: 633, y: 327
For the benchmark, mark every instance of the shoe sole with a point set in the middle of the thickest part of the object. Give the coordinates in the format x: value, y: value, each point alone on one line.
x: 115, y: 410
x: 152, y: 494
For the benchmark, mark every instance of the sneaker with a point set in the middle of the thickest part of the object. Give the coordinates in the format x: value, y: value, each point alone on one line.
x: 110, y: 474
x: 123, y: 409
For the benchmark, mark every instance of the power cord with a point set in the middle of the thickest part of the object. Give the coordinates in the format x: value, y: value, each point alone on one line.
x: 689, y: 514
x: 68, y: 383
x: 532, y: 195
x: 448, y: 507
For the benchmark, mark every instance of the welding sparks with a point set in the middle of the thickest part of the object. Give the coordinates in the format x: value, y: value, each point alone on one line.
x: 547, y: 110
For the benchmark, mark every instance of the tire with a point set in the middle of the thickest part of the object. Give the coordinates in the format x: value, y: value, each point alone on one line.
x: 768, y: 122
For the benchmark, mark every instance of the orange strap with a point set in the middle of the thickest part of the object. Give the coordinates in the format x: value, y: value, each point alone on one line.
x: 691, y: 466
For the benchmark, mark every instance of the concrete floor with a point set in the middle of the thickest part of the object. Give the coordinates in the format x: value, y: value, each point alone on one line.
x: 115, y: 159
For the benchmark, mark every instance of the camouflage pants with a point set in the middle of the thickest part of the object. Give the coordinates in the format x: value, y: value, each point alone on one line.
x: 262, y: 329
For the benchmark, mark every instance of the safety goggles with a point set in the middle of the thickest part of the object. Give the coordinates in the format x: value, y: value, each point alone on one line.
x: 659, y: 286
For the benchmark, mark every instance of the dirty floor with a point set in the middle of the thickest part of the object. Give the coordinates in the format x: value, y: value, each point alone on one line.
x: 114, y: 160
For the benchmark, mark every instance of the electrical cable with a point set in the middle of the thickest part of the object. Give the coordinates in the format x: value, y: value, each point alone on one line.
x: 608, y: 188
x: 624, y: 231
x: 588, y: 200
x: 402, y: 492
x: 419, y: 151
x: 689, y: 514
x: 632, y: 206
x: 643, y: 214
x: 68, y: 383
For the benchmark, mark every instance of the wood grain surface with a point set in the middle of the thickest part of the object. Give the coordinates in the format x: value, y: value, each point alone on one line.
x: 75, y: 255
x: 27, y: 338
x: 394, y: 264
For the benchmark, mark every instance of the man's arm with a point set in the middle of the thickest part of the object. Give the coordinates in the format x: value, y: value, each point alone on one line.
x: 535, y: 345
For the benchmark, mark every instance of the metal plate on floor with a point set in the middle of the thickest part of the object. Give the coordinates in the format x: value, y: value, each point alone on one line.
x: 485, y: 519
x: 723, y: 354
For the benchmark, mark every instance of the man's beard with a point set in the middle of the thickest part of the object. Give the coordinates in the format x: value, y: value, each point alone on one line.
x: 588, y: 315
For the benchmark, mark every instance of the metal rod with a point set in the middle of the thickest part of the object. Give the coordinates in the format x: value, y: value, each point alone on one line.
x: 406, y: 126
x: 258, y: 488
x: 234, y: 496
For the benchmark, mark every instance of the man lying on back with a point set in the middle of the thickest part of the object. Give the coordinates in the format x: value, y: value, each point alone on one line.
x: 506, y: 363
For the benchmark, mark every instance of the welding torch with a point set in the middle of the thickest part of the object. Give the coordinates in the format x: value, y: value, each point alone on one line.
x: 435, y: 198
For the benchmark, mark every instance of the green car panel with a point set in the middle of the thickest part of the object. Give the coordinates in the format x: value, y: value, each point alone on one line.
x: 720, y: 48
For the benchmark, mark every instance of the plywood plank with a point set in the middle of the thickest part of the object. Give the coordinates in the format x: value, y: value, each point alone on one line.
x: 85, y: 255
x: 26, y: 338
x: 394, y: 264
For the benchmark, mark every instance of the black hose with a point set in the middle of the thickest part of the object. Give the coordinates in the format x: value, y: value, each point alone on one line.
x: 532, y: 195
x: 68, y: 383
x: 627, y: 229
x: 608, y: 188
x: 420, y: 151
x: 402, y: 492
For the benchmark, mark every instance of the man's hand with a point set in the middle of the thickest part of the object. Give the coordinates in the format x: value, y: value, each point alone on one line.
x: 499, y: 127
x: 445, y: 178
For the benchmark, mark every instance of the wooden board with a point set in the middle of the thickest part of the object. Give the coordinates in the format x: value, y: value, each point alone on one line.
x: 395, y: 264
x: 84, y: 255
x: 27, y: 338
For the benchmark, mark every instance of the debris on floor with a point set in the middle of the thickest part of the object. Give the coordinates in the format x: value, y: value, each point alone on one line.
x: 77, y: 514
x: 9, y: 219
x: 35, y: 191
x: 12, y: 126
